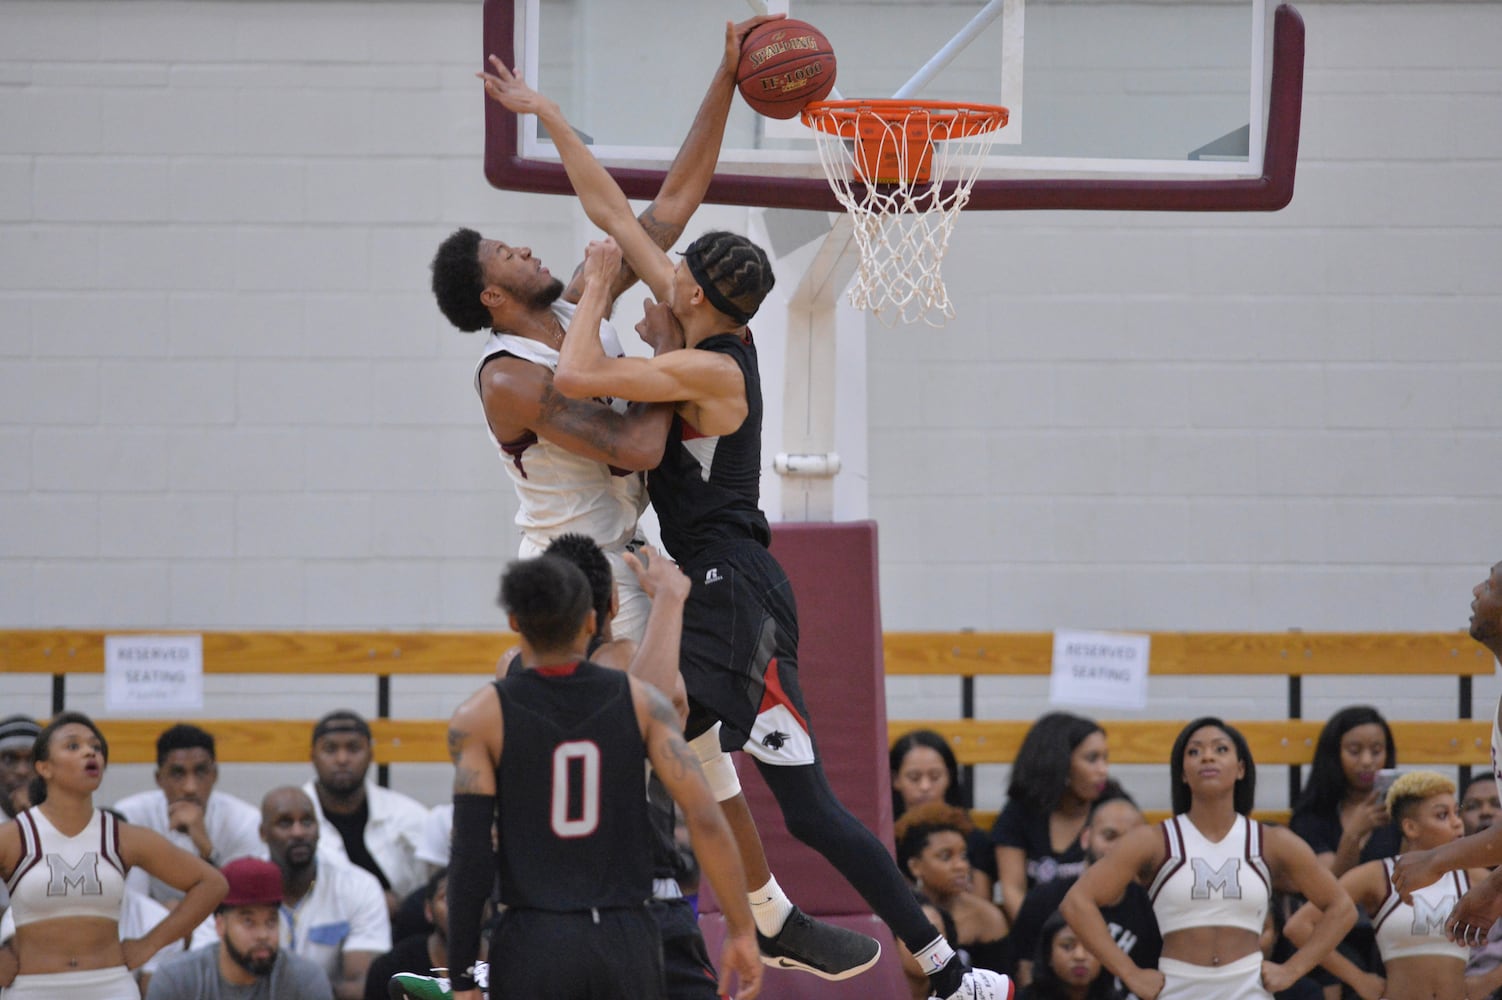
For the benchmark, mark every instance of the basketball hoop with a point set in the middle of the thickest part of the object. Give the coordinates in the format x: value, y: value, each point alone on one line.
x: 903, y: 170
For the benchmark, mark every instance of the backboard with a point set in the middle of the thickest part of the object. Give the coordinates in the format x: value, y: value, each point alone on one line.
x: 1115, y: 104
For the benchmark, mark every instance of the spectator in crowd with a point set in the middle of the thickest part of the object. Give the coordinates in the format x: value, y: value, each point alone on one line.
x: 437, y: 832
x: 1130, y: 918
x: 1479, y: 806
x: 1421, y: 963
x: 246, y: 962
x: 1212, y: 869
x: 371, y: 827
x: 65, y: 861
x: 17, y: 734
x: 420, y: 953
x: 931, y: 849
x: 1066, y: 970
x: 1061, y: 768
x: 1340, y: 814
x: 924, y: 770
x: 332, y: 912
x: 186, y: 810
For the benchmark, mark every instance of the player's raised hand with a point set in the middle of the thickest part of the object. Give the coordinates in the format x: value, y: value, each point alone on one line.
x: 602, y: 260
x: 658, y: 575
x: 659, y: 329
x: 735, y: 37
x: 510, y: 91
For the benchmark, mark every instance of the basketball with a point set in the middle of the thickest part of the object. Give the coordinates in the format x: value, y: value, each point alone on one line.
x: 784, y: 65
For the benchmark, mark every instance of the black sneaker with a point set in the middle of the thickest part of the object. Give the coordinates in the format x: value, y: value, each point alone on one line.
x: 810, y: 945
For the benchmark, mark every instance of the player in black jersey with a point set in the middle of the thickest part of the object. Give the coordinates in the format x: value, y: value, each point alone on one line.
x: 690, y: 974
x: 554, y: 759
x: 740, y: 639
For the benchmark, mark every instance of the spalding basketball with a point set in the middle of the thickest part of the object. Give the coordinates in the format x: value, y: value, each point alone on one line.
x: 784, y: 65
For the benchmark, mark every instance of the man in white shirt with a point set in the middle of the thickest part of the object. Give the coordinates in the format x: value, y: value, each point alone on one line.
x: 331, y: 912
x: 186, y: 810
x: 371, y: 827
x: 437, y: 832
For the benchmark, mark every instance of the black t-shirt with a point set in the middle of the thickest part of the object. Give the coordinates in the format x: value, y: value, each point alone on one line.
x: 1322, y: 833
x: 351, y: 827
x: 409, y: 955
x: 1132, y: 923
x: 1018, y: 826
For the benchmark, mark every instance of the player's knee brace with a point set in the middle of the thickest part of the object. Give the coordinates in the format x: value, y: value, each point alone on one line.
x: 719, y: 769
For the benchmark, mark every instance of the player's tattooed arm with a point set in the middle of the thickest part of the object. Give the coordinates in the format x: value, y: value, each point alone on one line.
x: 678, y: 757
x: 663, y: 233
x: 633, y: 440
x: 474, y: 743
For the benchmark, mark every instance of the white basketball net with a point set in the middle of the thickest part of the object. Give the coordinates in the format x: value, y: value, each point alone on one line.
x: 902, y: 223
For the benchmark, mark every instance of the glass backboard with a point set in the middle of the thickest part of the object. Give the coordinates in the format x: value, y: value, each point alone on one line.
x: 1172, y: 104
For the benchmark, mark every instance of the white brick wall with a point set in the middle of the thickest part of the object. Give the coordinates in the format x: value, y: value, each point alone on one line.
x: 227, y: 402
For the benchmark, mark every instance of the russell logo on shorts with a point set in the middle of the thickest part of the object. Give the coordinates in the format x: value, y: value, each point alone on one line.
x: 713, y: 576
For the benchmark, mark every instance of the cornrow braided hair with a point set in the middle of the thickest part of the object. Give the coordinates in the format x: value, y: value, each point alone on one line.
x: 738, y: 269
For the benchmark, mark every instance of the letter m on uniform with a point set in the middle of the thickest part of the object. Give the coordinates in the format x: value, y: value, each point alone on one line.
x: 83, y: 876
x: 1429, y: 915
x: 1226, y: 879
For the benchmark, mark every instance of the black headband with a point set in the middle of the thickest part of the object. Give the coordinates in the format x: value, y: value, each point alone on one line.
x: 341, y: 722
x: 724, y: 305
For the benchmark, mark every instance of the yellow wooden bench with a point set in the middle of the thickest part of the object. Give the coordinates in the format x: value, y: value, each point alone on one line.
x: 963, y: 655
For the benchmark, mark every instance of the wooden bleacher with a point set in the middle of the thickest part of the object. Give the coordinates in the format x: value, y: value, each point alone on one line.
x: 964, y: 656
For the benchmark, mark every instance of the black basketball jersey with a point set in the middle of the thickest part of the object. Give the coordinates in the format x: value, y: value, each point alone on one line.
x: 573, y: 831
x: 708, y: 489
x: 661, y: 812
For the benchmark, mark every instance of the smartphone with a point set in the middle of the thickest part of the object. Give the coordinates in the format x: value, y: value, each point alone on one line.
x: 1383, y: 782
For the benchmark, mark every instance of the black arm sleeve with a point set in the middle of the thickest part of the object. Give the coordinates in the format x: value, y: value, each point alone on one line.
x: 471, y: 878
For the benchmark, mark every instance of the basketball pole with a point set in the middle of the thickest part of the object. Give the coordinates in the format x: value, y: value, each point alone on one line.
x: 809, y: 461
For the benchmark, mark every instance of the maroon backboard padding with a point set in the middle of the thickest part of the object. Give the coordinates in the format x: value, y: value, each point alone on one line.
x: 840, y: 668
x: 1268, y: 193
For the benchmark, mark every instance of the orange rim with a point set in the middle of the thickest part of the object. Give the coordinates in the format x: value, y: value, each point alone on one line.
x: 835, y: 117
x: 894, y: 139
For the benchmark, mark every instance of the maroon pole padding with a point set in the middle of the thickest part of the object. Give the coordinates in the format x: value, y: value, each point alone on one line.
x: 1268, y: 193
x: 833, y: 571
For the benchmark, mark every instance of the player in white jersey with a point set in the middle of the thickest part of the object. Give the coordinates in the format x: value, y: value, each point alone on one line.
x: 1212, y: 870
x: 1474, y: 915
x: 64, y: 862
x: 1421, y: 962
x: 576, y: 464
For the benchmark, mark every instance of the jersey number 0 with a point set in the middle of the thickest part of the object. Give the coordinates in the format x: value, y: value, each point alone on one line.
x: 576, y: 761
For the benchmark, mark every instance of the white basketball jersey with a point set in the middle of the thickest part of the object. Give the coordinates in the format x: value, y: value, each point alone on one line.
x: 1205, y: 883
x: 60, y: 876
x: 561, y: 492
x: 1405, y: 931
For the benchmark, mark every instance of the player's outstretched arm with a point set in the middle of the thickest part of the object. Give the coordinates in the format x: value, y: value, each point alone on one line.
x: 602, y: 198
x: 688, y: 177
x: 678, y: 768
x: 474, y: 741
x: 1417, y: 869
x: 656, y: 658
x: 585, y: 370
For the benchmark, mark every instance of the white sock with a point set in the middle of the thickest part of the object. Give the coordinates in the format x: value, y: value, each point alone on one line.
x: 934, y: 956
x: 770, y: 906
